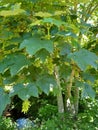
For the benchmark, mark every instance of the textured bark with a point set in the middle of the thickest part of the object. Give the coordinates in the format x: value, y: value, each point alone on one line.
x: 59, y: 93
x: 76, y: 100
x: 72, y: 95
x: 69, y: 106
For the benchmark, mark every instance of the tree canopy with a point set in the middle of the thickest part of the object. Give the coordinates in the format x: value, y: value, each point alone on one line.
x: 48, y: 46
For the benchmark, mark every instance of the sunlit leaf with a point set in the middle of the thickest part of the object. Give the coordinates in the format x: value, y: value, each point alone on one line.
x: 36, y: 22
x: 15, y: 10
x: 59, y: 12
x: 43, y: 14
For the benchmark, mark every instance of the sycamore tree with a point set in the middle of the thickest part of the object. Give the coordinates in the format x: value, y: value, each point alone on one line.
x: 48, y: 46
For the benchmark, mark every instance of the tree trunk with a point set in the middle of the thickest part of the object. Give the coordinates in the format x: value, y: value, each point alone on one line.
x: 59, y: 92
x: 76, y: 100
x: 69, y: 106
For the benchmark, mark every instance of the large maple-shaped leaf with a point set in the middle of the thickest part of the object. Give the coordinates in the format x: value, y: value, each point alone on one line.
x: 4, y: 100
x: 88, y: 91
x: 46, y: 82
x: 14, y: 62
x: 84, y: 58
x: 34, y: 44
x: 25, y: 91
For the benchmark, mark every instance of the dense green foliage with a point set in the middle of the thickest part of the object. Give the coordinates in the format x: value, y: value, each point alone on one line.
x: 49, y: 47
x: 7, y: 124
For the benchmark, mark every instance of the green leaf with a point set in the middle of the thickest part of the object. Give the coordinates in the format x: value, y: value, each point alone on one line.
x: 34, y: 44
x: 6, y: 13
x: 64, y: 71
x: 53, y: 21
x: 42, y: 54
x: 79, y: 84
x: 88, y: 91
x: 43, y: 14
x: 84, y: 58
x: 6, y: 34
x: 25, y: 91
x: 4, y: 100
x: 9, y: 80
x: 57, y: 12
x: 88, y: 77
x: 65, y: 49
x: 14, y: 62
x: 46, y: 14
x: 15, y: 10
x: 67, y: 34
x: 34, y: 1
x: 36, y: 22
x: 46, y: 83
